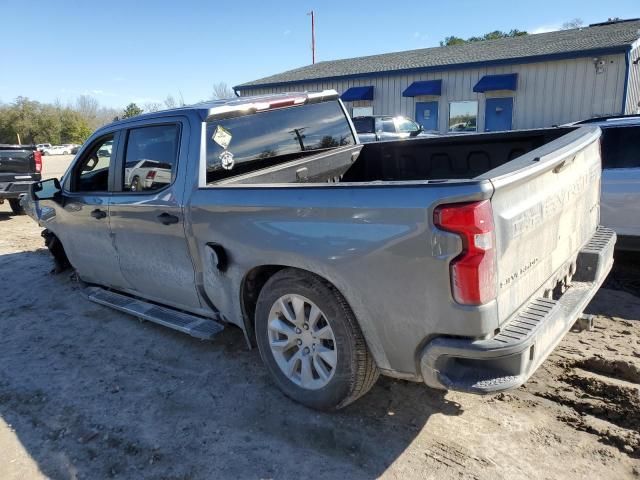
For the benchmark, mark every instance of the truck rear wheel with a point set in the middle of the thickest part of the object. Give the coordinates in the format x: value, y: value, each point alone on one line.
x: 16, y: 208
x: 310, y: 341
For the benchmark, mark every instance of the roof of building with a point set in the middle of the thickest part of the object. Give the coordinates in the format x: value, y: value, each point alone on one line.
x: 601, y: 38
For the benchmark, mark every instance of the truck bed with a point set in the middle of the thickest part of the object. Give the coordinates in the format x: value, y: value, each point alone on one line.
x: 459, y: 157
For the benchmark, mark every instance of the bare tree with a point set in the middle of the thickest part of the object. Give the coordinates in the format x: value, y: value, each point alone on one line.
x: 173, y: 102
x: 221, y: 90
x: 170, y: 101
x: 153, y: 107
x: 87, y: 106
x: 575, y: 23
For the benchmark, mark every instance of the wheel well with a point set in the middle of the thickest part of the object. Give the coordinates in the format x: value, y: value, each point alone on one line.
x: 251, y: 288
x: 53, y: 243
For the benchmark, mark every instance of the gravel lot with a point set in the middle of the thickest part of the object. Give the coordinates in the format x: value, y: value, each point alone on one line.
x: 86, y: 392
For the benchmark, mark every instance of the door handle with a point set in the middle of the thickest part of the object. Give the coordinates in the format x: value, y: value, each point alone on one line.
x: 97, y: 213
x: 167, y: 219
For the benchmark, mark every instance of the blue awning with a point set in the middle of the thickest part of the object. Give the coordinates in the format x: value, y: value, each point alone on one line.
x: 426, y: 87
x: 497, y: 82
x: 354, y: 94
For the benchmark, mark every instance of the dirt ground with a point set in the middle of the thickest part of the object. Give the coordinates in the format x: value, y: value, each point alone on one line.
x: 87, y: 392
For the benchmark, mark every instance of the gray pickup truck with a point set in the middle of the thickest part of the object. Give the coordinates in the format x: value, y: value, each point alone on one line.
x: 20, y: 166
x: 460, y: 262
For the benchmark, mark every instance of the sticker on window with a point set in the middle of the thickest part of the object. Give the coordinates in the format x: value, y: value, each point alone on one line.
x: 221, y: 136
x: 226, y: 158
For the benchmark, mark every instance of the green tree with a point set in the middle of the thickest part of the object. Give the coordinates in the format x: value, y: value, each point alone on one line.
x: 496, y: 34
x: 74, y: 127
x: 453, y: 40
x: 131, y: 110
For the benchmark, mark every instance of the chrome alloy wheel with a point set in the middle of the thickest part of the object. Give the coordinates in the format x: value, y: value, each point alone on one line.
x: 302, y: 341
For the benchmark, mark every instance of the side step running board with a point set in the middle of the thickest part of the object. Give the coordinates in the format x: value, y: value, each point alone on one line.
x: 199, y: 327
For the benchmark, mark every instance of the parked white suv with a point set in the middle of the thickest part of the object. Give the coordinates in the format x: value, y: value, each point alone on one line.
x: 57, y: 150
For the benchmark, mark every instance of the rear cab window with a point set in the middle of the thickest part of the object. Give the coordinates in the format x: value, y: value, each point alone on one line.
x: 248, y: 143
x: 621, y: 147
x: 364, y: 124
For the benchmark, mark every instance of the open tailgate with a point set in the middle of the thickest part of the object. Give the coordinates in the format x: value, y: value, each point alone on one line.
x: 545, y: 207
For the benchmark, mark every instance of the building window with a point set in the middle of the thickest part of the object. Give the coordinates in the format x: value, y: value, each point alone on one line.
x: 361, y: 111
x: 463, y: 116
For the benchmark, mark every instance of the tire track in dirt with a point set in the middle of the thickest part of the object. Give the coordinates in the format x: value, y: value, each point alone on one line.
x: 594, y: 378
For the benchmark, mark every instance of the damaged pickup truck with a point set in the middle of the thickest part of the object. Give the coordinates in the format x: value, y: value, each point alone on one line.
x: 459, y: 261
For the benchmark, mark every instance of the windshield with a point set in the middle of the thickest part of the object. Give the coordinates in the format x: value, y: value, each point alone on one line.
x: 405, y: 125
x: 239, y: 145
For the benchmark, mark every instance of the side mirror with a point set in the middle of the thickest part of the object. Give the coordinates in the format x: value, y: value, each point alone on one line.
x: 417, y: 131
x: 46, y: 190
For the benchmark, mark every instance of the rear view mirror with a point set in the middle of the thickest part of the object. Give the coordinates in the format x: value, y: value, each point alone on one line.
x: 46, y: 190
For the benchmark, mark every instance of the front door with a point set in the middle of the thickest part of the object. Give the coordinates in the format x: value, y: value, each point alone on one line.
x: 427, y: 115
x: 498, y: 114
x: 147, y: 219
x: 82, y: 218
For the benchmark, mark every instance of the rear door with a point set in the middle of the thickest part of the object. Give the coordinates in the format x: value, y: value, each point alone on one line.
x: 621, y: 179
x: 545, y: 208
x: 147, y: 218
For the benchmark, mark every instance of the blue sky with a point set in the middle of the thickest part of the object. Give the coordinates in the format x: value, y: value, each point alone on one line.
x: 139, y: 50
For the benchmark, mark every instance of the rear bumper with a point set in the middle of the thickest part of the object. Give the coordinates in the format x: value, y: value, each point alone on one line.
x: 14, y: 189
x: 508, y: 359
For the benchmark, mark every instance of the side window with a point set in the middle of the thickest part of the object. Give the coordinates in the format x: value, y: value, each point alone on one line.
x: 363, y: 124
x: 150, y: 158
x: 621, y: 147
x: 92, y: 172
x: 404, y: 125
x: 387, y: 125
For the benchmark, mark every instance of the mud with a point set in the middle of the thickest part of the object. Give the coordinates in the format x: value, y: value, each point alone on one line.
x: 86, y: 392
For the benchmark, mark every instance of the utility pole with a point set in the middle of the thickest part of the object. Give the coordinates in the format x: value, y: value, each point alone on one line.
x: 313, y: 37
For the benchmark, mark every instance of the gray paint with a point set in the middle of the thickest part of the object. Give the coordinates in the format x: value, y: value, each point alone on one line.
x: 375, y: 242
x: 549, y: 93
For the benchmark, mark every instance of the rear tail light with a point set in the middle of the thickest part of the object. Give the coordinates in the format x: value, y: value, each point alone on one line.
x: 151, y: 175
x: 473, y: 272
x: 37, y: 157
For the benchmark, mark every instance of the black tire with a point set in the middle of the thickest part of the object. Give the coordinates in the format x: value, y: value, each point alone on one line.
x: 356, y: 371
x: 16, y: 208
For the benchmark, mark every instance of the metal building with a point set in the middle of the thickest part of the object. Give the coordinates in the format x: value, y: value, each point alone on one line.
x: 511, y: 83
